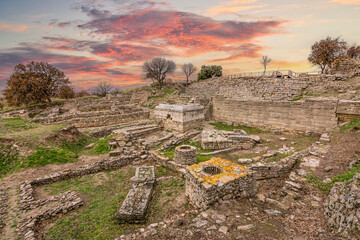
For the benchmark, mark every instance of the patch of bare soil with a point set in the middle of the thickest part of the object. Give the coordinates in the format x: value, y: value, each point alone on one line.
x: 344, y: 148
x: 69, y: 134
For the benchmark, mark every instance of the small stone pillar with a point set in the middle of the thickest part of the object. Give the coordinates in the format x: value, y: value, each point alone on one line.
x: 185, y: 155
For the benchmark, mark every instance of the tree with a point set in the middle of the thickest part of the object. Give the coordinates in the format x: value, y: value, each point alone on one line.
x: 265, y: 60
x: 66, y: 92
x: 34, y: 83
x: 158, y: 68
x: 209, y: 72
x: 353, y: 52
x: 82, y: 93
x: 103, y: 89
x: 188, y: 69
x: 326, y: 51
x: 116, y: 91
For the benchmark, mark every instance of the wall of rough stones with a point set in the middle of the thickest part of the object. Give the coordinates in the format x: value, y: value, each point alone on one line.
x: 317, y: 115
x: 276, y: 169
x: 250, y: 88
x: 3, y: 208
x: 342, y: 209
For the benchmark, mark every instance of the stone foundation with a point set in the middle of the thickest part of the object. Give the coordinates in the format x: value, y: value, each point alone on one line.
x: 276, y: 169
x: 185, y: 155
x: 216, y: 179
x: 215, y: 139
x: 3, y: 208
x: 180, y: 117
x: 342, y: 209
x: 136, y: 203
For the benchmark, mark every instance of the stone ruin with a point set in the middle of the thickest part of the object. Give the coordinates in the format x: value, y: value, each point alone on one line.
x: 180, y: 117
x: 95, y: 115
x: 342, y: 209
x: 136, y: 203
x: 216, y: 139
x: 210, y: 181
x: 185, y: 155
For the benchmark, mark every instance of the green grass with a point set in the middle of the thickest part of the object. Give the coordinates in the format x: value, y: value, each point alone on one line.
x: 326, y: 187
x: 78, y: 148
x: 319, y: 184
x: 10, y: 125
x: 278, y: 157
x: 104, y: 194
x: 200, y: 158
x: 101, y: 146
x: 352, y: 123
x: 155, y: 92
x: 45, y: 156
x: 96, y: 219
x: 34, y: 137
x: 226, y: 127
x: 9, y: 158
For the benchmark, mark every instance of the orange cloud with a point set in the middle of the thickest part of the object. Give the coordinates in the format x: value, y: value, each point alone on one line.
x: 13, y: 27
x: 233, y: 6
x: 347, y: 2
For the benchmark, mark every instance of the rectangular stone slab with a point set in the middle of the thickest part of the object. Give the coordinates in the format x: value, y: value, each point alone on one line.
x: 136, y: 203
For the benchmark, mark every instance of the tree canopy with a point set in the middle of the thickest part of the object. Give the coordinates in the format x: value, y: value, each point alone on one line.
x: 325, y: 52
x: 158, y: 68
x: 34, y: 83
x: 209, y: 72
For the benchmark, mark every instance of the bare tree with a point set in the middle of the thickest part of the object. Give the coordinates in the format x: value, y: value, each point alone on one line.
x: 188, y: 69
x: 158, y: 68
x: 103, y: 89
x: 265, y: 60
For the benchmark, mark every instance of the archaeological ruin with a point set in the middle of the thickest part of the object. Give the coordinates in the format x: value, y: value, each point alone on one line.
x: 229, y: 156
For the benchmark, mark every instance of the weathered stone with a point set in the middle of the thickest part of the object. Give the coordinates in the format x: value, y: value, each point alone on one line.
x: 180, y: 117
x: 135, y: 205
x: 185, y: 155
x: 245, y: 227
x: 209, y: 181
x: 273, y: 212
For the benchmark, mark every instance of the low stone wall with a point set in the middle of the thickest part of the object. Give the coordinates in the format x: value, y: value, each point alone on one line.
x: 102, y: 165
x: 342, y: 208
x: 104, y: 132
x: 181, y: 139
x: 105, y: 120
x: 136, y: 203
x: 276, y: 169
x: 3, y: 208
x: 69, y: 201
x: 315, y: 115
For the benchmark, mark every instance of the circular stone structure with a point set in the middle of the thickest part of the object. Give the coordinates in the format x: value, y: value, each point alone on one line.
x: 185, y: 155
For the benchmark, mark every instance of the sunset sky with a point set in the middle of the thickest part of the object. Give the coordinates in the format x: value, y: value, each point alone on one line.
x: 93, y: 41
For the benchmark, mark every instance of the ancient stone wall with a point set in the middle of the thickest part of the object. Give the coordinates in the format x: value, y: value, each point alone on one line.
x: 250, y: 88
x: 317, y: 115
x: 342, y: 209
x: 276, y: 169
